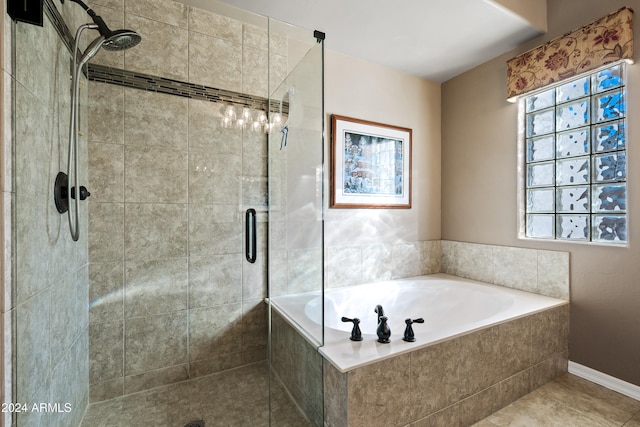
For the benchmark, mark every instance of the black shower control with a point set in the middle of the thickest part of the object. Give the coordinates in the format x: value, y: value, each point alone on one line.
x: 84, y: 193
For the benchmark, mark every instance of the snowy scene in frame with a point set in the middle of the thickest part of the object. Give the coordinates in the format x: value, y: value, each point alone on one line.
x: 371, y: 164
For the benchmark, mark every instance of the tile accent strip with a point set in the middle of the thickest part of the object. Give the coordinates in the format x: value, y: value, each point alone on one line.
x: 60, y: 26
x: 150, y: 83
x: 101, y: 73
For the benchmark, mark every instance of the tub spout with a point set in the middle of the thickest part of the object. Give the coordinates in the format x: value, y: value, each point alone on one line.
x: 379, y: 311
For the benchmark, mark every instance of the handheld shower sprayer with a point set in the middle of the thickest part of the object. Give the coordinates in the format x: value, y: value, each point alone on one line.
x: 110, y: 40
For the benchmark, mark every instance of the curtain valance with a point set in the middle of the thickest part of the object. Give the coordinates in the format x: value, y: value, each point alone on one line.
x: 607, y: 40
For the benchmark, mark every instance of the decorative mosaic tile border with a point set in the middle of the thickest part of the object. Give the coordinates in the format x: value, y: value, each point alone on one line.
x: 101, y: 73
x: 58, y: 23
x: 151, y: 83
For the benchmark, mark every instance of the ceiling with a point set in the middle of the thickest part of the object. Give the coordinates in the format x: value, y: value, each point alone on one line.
x: 433, y: 39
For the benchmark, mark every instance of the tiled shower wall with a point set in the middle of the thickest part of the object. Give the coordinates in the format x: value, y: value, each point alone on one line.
x: 171, y: 295
x: 48, y: 291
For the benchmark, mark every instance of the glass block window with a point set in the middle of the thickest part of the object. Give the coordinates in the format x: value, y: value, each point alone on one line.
x: 575, y: 160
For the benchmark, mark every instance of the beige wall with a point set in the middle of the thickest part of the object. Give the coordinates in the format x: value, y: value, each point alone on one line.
x: 367, y: 91
x: 479, y: 202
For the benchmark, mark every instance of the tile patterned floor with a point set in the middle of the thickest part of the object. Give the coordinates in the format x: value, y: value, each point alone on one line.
x: 568, y: 401
x: 238, y: 397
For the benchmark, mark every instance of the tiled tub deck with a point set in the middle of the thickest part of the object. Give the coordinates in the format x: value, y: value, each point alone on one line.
x: 455, y: 382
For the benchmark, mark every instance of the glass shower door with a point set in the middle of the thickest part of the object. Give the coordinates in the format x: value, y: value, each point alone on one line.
x: 296, y: 260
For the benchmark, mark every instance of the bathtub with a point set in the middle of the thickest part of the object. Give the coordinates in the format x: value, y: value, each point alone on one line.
x: 451, y: 307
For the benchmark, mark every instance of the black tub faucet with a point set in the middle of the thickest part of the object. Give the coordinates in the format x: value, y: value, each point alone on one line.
x: 379, y: 311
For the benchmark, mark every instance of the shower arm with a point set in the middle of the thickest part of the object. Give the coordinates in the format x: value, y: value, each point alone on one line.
x: 102, y: 26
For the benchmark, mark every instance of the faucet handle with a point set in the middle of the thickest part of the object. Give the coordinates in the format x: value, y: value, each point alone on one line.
x: 356, y: 333
x: 409, y: 335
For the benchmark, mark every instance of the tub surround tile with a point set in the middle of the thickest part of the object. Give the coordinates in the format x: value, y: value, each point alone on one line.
x: 335, y: 396
x: 376, y: 263
x: 456, y: 382
x: 344, y: 266
x: 439, y: 366
x: 430, y: 257
x: 515, y: 267
x: 372, y: 406
x: 304, y: 270
x: 405, y: 258
x: 537, y: 271
x: 545, y: 335
x: 553, y: 274
x: 298, y: 365
x: 163, y: 51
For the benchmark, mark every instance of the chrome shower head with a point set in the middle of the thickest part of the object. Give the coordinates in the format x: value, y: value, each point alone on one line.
x: 115, y: 40
x: 121, y: 40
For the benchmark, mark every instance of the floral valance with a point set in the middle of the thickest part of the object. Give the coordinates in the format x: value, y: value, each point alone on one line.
x: 602, y: 42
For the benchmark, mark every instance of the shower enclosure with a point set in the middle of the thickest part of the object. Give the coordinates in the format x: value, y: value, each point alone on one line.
x: 202, y: 148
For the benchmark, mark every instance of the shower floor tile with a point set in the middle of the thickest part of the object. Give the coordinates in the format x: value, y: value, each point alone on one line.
x: 238, y: 397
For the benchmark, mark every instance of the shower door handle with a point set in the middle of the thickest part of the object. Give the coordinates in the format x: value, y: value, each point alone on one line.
x: 250, y: 235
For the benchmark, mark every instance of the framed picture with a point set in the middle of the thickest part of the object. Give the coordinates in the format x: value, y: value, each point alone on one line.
x: 370, y: 164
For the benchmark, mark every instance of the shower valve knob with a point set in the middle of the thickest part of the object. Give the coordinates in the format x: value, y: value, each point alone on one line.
x: 84, y: 193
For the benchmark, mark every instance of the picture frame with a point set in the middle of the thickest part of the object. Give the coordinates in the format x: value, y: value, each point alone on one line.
x: 370, y: 164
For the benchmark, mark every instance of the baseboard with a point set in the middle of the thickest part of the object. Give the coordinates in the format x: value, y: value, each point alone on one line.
x: 605, y: 380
